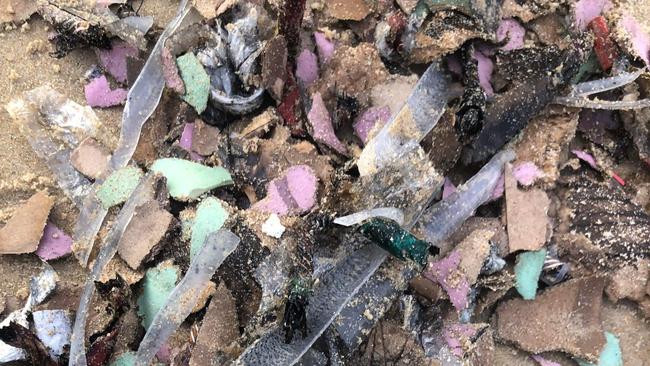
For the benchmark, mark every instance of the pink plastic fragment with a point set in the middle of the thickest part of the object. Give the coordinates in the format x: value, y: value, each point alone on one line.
x: 99, y: 94
x: 499, y: 188
x: 586, y: 10
x: 448, y: 188
x: 322, y: 125
x: 114, y: 60
x: 54, y: 243
x: 513, y: 31
x: 485, y: 68
x: 618, y: 179
x: 640, y: 39
x: 185, y: 141
x: 544, y: 362
x: 324, y: 46
x: 456, y: 335
x: 170, y: 72
x: 526, y: 173
x: 445, y: 272
x: 294, y: 193
x: 368, y: 119
x: 586, y: 157
x: 307, y: 68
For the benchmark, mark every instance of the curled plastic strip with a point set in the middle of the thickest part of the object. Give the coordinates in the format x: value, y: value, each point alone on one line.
x: 391, y: 213
x: 142, y: 193
x: 142, y: 100
x: 582, y: 102
x: 217, y: 247
x: 446, y: 216
x: 601, y: 85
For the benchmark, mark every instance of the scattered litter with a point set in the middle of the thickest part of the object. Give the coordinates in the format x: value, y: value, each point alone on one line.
x: 611, y: 354
x: 544, y: 362
x: 527, y: 270
x: 372, y: 119
x: 22, y: 233
x: 187, y: 180
x: 526, y: 173
x: 446, y: 272
x: 324, y: 46
x: 210, y: 217
x: 294, y: 193
x: 395, y: 240
x: 196, y: 81
x: 511, y: 30
x: 485, y: 68
x: 322, y: 125
x: 640, y: 38
x: 55, y: 243
x: 114, y: 60
x: 157, y: 285
x: 587, y: 10
x: 99, y: 93
x: 119, y: 186
x: 273, y: 227
x: 391, y: 213
x: 173, y: 79
x: 53, y: 328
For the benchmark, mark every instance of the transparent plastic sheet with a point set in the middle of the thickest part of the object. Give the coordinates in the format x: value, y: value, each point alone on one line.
x: 142, y: 193
x: 583, y: 102
x: 391, y: 213
x: 446, y: 216
x: 142, y: 100
x: 53, y: 126
x: 601, y: 85
x: 217, y: 247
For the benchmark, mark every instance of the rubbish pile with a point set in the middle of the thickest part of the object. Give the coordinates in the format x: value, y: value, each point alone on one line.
x: 336, y: 182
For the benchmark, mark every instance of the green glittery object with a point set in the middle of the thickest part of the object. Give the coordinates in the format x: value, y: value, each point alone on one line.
x: 397, y: 241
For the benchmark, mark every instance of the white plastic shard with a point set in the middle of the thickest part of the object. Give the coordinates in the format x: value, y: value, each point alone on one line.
x: 605, y: 84
x: 412, y: 123
x: 39, y: 288
x: 142, y: 100
x: 53, y: 328
x: 583, y: 102
x: 217, y: 247
x: 391, y: 213
x: 54, y: 125
x: 446, y: 216
x: 142, y: 193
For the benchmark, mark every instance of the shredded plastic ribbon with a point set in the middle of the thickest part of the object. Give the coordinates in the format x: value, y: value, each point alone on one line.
x: 605, y: 84
x: 580, y: 102
x: 392, y: 213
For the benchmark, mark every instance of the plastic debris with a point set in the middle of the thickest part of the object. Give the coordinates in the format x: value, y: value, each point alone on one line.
x: 173, y: 79
x: 446, y: 272
x: 158, y: 284
x: 273, y: 227
x: 114, y: 60
x: 322, y: 125
x: 119, y: 186
x: 22, y: 233
x: 604, y: 46
x: 210, y: 217
x: 581, y: 102
x: 91, y: 158
x: 412, y: 122
x: 294, y: 193
x: 54, y: 328
x: 544, y: 362
x: 526, y: 173
x: 55, y: 243
x: 511, y: 30
x: 125, y: 359
x: 527, y: 270
x: 397, y: 241
x: 217, y: 247
x: 611, y: 354
x: 598, y: 86
x: 391, y: 213
x: 640, y: 38
x: 587, y: 10
x: 485, y: 67
x: 187, y: 180
x: 186, y: 141
x: 371, y: 119
x: 99, y: 93
x: 586, y: 157
x: 196, y: 80
x: 324, y: 46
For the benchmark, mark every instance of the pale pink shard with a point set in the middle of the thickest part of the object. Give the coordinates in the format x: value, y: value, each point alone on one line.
x: 114, y: 60
x: 54, y: 243
x: 456, y: 335
x: 448, y: 188
x: 274, y: 201
x: 324, y: 46
x: 513, y: 31
x: 446, y: 272
x: 586, y: 10
x: 185, y: 141
x: 368, y: 119
x: 499, y: 188
x: 526, y: 173
x: 307, y: 68
x: 302, y: 183
x: 173, y: 79
x: 99, y: 94
x: 485, y: 68
x: 586, y: 157
x: 322, y: 125
x: 640, y: 39
x: 544, y: 362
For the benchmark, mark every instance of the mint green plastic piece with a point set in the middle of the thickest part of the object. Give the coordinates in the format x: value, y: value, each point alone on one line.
x: 158, y: 284
x: 527, y: 270
x: 611, y: 354
x: 118, y: 186
x: 187, y: 180
x: 125, y: 359
x: 210, y: 217
x: 197, y: 81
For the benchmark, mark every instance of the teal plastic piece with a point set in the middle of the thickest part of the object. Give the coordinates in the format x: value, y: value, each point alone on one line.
x: 611, y: 354
x: 210, y: 217
x: 197, y: 81
x: 158, y: 284
x: 118, y: 186
x: 527, y: 270
x: 187, y: 180
x: 125, y: 359
x: 395, y: 240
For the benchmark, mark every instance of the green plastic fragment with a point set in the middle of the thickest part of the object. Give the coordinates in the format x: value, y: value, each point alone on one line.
x: 395, y: 240
x: 210, y: 217
x: 118, y: 186
x: 611, y: 354
x: 187, y: 180
x: 125, y: 359
x: 158, y: 284
x: 197, y: 81
x: 527, y: 270
x: 588, y: 68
